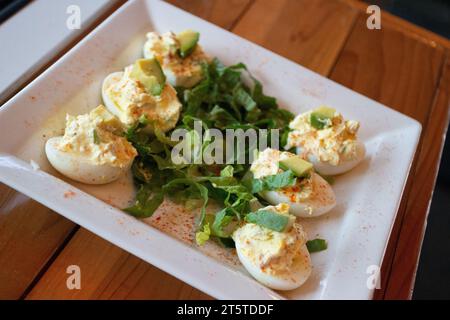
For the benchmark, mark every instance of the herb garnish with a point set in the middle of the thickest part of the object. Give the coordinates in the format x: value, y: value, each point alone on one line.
x: 316, y: 245
x: 223, y: 101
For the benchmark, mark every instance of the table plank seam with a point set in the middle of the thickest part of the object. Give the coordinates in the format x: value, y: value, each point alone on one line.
x: 117, y: 270
x: 242, y: 14
x: 341, y: 49
x: 49, y: 262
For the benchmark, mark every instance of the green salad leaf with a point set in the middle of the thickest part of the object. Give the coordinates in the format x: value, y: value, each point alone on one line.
x: 268, y: 219
x: 202, y: 236
x: 227, y: 172
x: 196, y: 190
x: 263, y: 101
x: 274, y: 182
x: 223, y: 100
x: 223, y: 219
x: 147, y: 201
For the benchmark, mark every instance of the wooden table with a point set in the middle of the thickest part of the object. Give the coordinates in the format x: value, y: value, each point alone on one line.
x: 401, y: 65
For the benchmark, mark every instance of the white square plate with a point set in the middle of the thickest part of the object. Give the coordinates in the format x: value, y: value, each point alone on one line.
x: 357, y: 230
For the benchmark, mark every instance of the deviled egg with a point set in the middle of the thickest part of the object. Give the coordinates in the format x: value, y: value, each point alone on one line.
x: 310, y: 196
x: 141, y: 91
x: 278, y: 259
x: 325, y: 139
x: 180, y: 56
x: 91, y: 150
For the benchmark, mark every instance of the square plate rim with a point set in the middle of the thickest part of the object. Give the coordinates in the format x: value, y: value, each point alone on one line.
x: 414, y: 125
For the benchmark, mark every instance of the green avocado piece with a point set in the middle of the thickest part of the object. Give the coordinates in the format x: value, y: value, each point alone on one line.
x: 188, y: 40
x: 321, y: 117
x: 297, y: 165
x: 149, y: 73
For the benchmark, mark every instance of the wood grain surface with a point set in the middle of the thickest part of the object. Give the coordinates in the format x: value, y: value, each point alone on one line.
x: 31, y: 234
x: 409, y: 241
x: 112, y: 275
x: 304, y: 39
x: 401, y: 65
x: 398, y: 70
x: 108, y: 272
x: 224, y: 13
x: 311, y: 33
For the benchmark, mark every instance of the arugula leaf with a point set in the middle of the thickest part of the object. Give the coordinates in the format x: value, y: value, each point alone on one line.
x: 273, y: 182
x: 161, y: 137
x: 147, y: 201
x: 165, y: 163
x: 316, y: 245
x: 201, y: 189
x: 140, y: 171
x: 216, y: 194
x: 143, y: 120
x: 141, y: 141
x: 235, y: 195
x: 221, y: 100
x: 268, y: 219
x: 281, y: 117
x: 222, y: 118
x: 244, y: 99
x: 202, y: 236
x: 222, y: 219
x: 227, y: 172
x: 263, y: 101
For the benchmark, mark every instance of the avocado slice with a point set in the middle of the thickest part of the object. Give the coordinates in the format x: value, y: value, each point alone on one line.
x: 107, y: 118
x: 297, y: 165
x: 188, y: 40
x: 149, y: 73
x: 321, y: 117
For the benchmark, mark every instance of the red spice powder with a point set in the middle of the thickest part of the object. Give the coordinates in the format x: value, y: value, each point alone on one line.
x: 69, y: 194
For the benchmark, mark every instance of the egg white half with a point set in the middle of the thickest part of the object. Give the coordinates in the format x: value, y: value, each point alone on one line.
x: 328, y: 169
x: 179, y: 79
x: 297, y: 275
x: 321, y: 201
x: 185, y: 72
x: 108, y: 101
x: 79, y: 168
x: 167, y: 110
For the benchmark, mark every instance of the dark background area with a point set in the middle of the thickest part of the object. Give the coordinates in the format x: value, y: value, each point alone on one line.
x: 9, y: 7
x: 433, y: 274
x: 433, y: 15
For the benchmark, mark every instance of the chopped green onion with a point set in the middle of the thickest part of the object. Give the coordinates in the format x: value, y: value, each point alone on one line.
x: 316, y: 245
x: 319, y: 122
x: 96, y: 137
